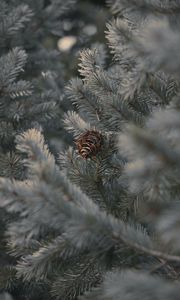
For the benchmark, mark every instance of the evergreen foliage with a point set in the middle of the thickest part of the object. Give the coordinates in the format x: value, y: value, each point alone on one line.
x: 32, y: 77
x: 106, y: 227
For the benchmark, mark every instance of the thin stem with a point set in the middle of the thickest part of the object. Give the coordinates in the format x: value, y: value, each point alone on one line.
x: 152, y: 252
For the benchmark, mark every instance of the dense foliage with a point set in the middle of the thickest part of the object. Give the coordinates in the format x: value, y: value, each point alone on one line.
x: 98, y: 220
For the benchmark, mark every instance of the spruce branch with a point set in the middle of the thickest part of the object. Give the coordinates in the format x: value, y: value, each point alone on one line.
x: 119, y: 34
x: 32, y: 142
x: 75, y: 124
x: 19, y: 89
x: 43, y: 262
x: 84, y: 275
x: 132, y: 285
x: 11, y: 65
x: 82, y: 98
x: 155, y: 6
x: 15, y: 20
x: 158, y: 46
x: 90, y: 62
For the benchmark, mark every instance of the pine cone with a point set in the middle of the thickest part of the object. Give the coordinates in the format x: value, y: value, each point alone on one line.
x: 89, y: 143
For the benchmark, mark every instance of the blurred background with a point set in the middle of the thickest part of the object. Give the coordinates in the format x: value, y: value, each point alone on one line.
x: 81, y: 28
